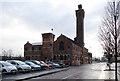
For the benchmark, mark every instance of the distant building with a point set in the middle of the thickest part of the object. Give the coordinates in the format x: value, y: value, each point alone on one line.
x: 104, y: 59
x: 64, y: 49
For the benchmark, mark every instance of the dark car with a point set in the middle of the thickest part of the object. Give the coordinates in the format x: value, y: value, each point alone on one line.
x: 55, y: 65
x: 43, y: 66
x: 47, y: 66
x: 33, y: 66
x: 62, y: 65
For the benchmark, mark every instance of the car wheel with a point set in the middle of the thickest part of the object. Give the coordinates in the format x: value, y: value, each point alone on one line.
x: 4, y: 71
x: 14, y: 73
x: 19, y: 69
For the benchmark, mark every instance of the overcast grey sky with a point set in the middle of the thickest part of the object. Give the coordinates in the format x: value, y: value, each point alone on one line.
x: 26, y: 20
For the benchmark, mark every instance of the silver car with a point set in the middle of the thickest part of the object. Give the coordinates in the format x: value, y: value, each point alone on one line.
x: 33, y: 66
x: 21, y: 66
x: 7, y: 67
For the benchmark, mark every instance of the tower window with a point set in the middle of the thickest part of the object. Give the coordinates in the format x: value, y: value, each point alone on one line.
x: 61, y: 46
x: 26, y: 48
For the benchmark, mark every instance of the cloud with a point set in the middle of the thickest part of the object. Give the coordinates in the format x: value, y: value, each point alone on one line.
x: 25, y: 20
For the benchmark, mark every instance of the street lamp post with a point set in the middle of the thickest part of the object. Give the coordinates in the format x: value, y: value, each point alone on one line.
x: 52, y: 46
x: 115, y: 43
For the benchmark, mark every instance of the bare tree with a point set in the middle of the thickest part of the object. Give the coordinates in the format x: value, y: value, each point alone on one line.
x: 4, y: 53
x: 10, y: 53
x: 107, y: 31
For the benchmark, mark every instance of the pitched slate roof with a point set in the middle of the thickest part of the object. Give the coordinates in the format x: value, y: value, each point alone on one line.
x: 37, y: 43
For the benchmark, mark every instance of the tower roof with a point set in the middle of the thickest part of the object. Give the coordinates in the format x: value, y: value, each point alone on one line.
x: 80, y: 6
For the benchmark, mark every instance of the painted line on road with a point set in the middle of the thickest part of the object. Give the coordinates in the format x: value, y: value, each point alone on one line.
x: 70, y: 75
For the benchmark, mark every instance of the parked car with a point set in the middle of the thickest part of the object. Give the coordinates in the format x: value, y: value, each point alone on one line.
x: 38, y: 63
x: 54, y: 65
x: 50, y: 66
x: 21, y: 66
x: 33, y: 66
x: 61, y: 64
x: 7, y: 67
x: 42, y: 62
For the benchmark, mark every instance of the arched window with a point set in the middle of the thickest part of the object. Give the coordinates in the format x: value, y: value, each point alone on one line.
x: 26, y: 49
x: 32, y: 48
x: 28, y: 58
x: 61, y: 46
x: 61, y: 57
x: 65, y: 57
x: 36, y: 58
x: 58, y: 57
x: 39, y: 48
x: 54, y: 58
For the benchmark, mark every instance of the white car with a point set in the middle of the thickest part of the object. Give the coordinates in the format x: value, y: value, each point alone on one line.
x: 7, y: 67
x: 33, y: 66
x: 21, y: 66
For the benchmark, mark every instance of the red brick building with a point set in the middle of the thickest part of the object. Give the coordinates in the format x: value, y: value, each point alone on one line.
x: 63, y: 49
x: 33, y: 51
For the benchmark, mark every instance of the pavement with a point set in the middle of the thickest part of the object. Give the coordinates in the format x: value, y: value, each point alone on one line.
x: 106, y: 74
x: 26, y: 76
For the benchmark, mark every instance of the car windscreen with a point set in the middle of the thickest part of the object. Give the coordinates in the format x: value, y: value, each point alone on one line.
x: 30, y: 63
x: 21, y: 63
x: 37, y: 62
x: 49, y: 62
x: 6, y: 64
x: 42, y: 62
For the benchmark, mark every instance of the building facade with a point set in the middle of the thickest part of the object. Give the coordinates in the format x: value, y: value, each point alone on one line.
x: 64, y: 49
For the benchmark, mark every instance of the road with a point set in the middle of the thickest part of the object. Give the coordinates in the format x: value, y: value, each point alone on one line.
x: 86, y: 71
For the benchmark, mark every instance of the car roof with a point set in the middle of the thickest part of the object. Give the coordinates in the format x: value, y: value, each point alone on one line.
x: 14, y: 61
x: 2, y: 61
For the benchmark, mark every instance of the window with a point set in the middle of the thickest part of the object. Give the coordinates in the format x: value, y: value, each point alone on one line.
x: 36, y: 58
x: 61, y: 57
x: 40, y: 57
x: 39, y: 48
x: 36, y: 49
x: 58, y: 57
x: 65, y: 57
x: 54, y: 57
x: 32, y: 48
x: 68, y: 57
x: 61, y: 46
x: 26, y: 48
x: 26, y: 57
x: 68, y: 47
x: 32, y: 57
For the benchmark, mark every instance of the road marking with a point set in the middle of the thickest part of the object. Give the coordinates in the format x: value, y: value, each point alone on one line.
x: 70, y: 75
